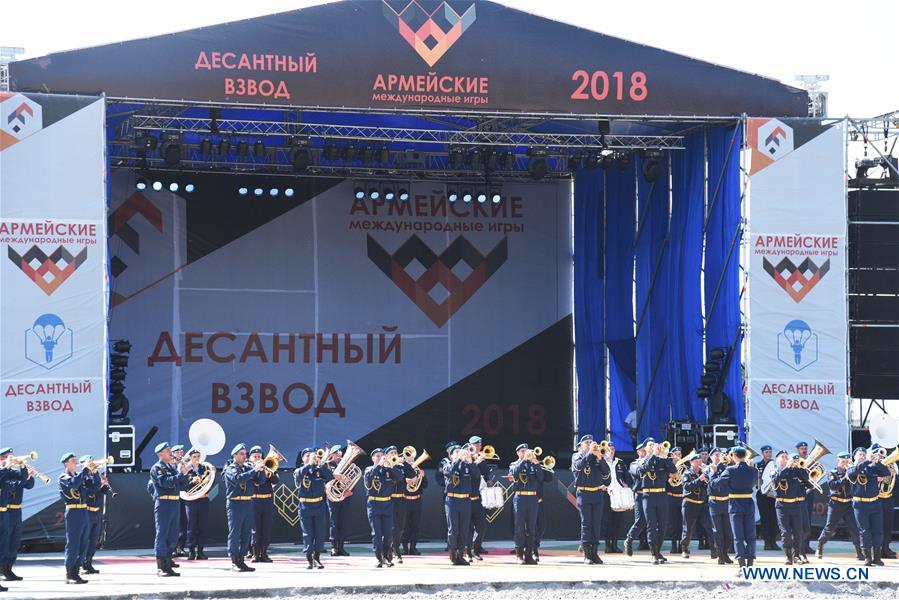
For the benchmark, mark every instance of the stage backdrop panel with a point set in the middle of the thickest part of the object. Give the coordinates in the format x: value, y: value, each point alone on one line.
x: 52, y: 281
x: 318, y: 318
x: 797, y: 269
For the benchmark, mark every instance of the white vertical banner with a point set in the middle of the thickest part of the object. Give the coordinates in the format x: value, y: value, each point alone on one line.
x: 797, y: 295
x: 53, y: 283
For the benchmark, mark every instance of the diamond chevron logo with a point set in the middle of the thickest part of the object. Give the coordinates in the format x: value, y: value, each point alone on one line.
x: 431, y: 34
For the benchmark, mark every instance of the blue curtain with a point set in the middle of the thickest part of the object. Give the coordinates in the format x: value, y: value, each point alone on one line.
x: 683, y: 353
x: 589, y: 299
x: 619, y: 270
x: 653, y: 301
x: 722, y: 256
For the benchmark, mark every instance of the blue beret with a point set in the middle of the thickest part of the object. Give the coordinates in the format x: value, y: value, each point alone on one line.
x: 85, y: 458
x: 238, y: 448
x: 306, y: 451
x: 66, y: 457
x: 765, y: 448
x: 697, y: 457
x: 456, y: 447
x: 450, y: 445
x: 703, y: 449
x: 160, y: 447
x: 799, y: 444
x: 794, y: 456
x: 779, y: 452
x: 859, y: 449
x: 875, y: 446
x: 177, y: 447
x: 336, y: 448
x: 193, y: 451
x: 676, y: 449
x: 611, y: 443
x: 843, y: 455
x: 649, y: 440
x: 475, y: 439
x: 739, y: 450
x: 5, y: 451
x: 377, y: 451
x: 390, y: 449
x: 521, y: 447
x: 640, y: 446
x: 256, y: 449
x: 714, y: 449
x: 586, y: 438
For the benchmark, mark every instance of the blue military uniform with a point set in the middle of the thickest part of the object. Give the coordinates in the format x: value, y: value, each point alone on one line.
x: 740, y: 481
x: 182, y: 517
x: 379, y: 483
x: 865, y: 490
x: 639, y: 526
x: 413, y: 518
x: 240, y: 485
x: 165, y: 485
x: 74, y: 489
x: 13, y: 481
x: 544, y: 476
x: 694, y: 508
x: 482, y: 470
x: 839, y: 509
x: 524, y: 480
x: 263, y: 514
x: 401, y: 472
x: 338, y: 512
x: 457, y: 475
x: 94, y: 501
x: 887, y: 503
x: 790, y: 488
x: 310, y: 483
x: 591, y: 478
x: 675, y: 495
x: 719, y: 505
x: 197, y: 515
x: 654, y: 472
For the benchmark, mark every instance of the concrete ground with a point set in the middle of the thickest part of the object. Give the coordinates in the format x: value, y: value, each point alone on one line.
x: 560, y: 575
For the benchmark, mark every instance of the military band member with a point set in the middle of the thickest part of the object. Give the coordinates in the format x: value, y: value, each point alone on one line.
x: 177, y: 456
x: 338, y: 510
x: 767, y: 517
x: 524, y: 472
x: 402, y: 470
x: 703, y: 536
x: 839, y: 508
x: 482, y: 470
x: 611, y: 526
x: 675, y: 495
x: 74, y: 486
x: 865, y: 476
x: 167, y: 479
x: 654, y: 471
x: 886, y: 507
x: 197, y: 510
x: 441, y: 480
x: 740, y: 480
x: 719, y: 505
x: 263, y: 510
x: 544, y: 476
x: 310, y: 480
x: 457, y: 475
x: 14, y: 479
x: 591, y: 479
x: 639, y: 526
x: 240, y: 481
x: 789, y: 486
x: 413, y: 518
x: 94, y: 500
x: 694, y: 507
x: 809, y: 505
x: 378, y: 480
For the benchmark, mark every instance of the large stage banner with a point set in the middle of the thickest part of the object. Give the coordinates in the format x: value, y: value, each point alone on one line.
x: 797, y: 270
x: 52, y: 281
x: 318, y: 317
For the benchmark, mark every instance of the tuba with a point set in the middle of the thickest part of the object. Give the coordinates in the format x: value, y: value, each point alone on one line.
x: 337, y: 490
x: 201, y: 488
x: 420, y: 474
x: 677, y: 479
x: 815, y: 469
x: 272, y: 460
x: 889, y: 482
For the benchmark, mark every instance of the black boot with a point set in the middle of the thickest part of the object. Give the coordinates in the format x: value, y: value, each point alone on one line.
x: 161, y: 568
x: 317, y: 559
x: 659, y: 553
x: 239, y: 565
x: 536, y: 554
x: 89, y: 566
x: 869, y: 557
x: 169, y: 568
x: 460, y: 553
x: 255, y: 554
x: 588, y: 554
x: 335, y: 548
x: 685, y: 550
x: 200, y: 554
x: 742, y: 562
x: 264, y: 556
x: 519, y: 552
x: 789, y: 555
x: 179, y: 551
x: 628, y: 546
x: 675, y: 547
x: 192, y: 553
x: 656, y: 556
x: 886, y: 551
x: 819, y: 551
x: 388, y: 556
x: 311, y: 564
x: 406, y: 548
x: 399, y: 556
x: 595, y: 552
x: 413, y: 549
x: 70, y: 578
x: 727, y: 559
x: 343, y: 551
x: 529, y: 556
x: 859, y: 555
x: 8, y: 575
x: 380, y: 558
x: 721, y: 560
x: 713, y: 552
x: 878, y: 553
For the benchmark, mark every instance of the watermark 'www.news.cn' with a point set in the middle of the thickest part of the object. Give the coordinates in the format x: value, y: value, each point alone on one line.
x: 801, y: 573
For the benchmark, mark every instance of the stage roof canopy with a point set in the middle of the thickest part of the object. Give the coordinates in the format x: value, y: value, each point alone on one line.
x: 456, y: 56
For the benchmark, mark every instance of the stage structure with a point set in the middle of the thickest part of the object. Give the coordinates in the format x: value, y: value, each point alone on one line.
x: 358, y: 220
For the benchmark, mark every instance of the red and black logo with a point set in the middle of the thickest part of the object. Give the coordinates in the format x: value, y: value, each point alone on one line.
x: 430, y: 33
x: 446, y: 270
x: 48, y: 272
x: 796, y: 280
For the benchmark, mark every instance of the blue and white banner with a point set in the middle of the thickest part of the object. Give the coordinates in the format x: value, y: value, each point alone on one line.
x: 797, y: 270
x: 52, y: 281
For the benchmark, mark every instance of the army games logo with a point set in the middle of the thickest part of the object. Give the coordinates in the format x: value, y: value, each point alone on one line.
x: 431, y: 34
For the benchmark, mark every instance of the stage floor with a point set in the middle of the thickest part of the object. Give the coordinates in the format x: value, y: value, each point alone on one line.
x: 561, y: 574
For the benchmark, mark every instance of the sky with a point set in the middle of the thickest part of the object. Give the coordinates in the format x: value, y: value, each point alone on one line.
x: 776, y: 38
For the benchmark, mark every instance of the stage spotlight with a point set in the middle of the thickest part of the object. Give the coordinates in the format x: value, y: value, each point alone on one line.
x: 257, y: 192
x: 206, y: 147
x: 652, y: 165
x: 452, y: 195
x: 331, y: 152
x: 489, y: 159
x: 141, y: 183
x: 403, y: 194
x: 508, y: 161
x: 273, y: 192
x: 359, y: 193
x: 466, y: 196
x: 299, y: 154
x: 118, y: 360
x: 374, y: 193
x: 171, y: 149
x: 349, y: 153
x: 604, y: 126
x: 157, y: 185
x: 117, y: 374
x: 116, y: 388
x: 123, y: 346
x: 538, y: 164
x: 456, y: 158
x: 147, y: 142
x: 496, y: 198
x: 624, y: 161
x: 608, y: 160
x: 189, y: 188
x: 590, y: 161
x: 173, y: 187
x: 242, y: 149
x: 224, y: 147
x: 289, y: 192
x: 389, y: 194
x: 242, y: 191
x: 384, y: 155
x: 259, y: 149
x: 474, y: 159
x: 482, y: 197
x: 368, y: 154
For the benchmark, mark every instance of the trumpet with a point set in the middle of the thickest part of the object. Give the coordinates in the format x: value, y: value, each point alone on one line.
x: 537, y: 451
x: 409, y: 453
x: 21, y: 460
x: 602, y: 447
x: 488, y: 452
x: 272, y: 460
x: 94, y: 465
